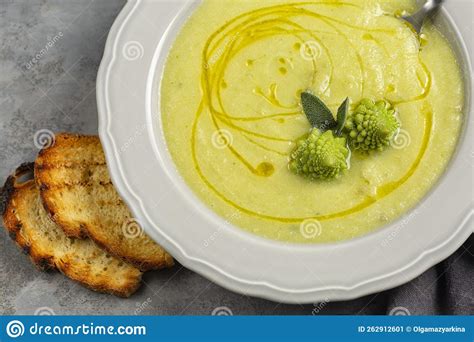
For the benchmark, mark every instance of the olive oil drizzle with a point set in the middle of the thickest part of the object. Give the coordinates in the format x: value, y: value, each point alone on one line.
x: 232, y: 38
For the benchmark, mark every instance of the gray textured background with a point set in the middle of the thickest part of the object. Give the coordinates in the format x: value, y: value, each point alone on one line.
x: 58, y: 93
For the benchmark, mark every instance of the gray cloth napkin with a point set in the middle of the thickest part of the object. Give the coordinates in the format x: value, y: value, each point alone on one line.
x: 446, y: 289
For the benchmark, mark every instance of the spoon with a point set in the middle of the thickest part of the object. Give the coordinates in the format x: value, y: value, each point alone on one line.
x: 417, y: 19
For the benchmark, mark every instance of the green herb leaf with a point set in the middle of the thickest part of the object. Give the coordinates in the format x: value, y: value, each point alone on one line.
x: 342, y: 116
x: 318, y: 114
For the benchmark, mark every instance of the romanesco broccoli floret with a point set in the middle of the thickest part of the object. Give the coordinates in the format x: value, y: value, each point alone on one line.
x: 372, y: 125
x: 320, y: 156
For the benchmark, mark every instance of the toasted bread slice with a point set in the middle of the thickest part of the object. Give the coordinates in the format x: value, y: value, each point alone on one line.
x: 76, y: 189
x: 49, y: 248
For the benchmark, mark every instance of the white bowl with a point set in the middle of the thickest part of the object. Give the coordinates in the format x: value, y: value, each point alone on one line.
x: 145, y: 176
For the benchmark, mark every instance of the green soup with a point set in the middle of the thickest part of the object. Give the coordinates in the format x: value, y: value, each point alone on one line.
x: 231, y: 113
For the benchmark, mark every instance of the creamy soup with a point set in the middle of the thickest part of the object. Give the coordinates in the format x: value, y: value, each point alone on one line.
x: 231, y: 111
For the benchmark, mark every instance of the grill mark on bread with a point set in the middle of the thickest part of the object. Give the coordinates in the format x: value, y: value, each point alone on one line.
x: 84, y: 202
x: 70, y: 165
x: 78, y: 184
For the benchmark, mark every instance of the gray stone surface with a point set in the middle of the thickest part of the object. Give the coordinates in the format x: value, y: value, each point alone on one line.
x: 50, y: 51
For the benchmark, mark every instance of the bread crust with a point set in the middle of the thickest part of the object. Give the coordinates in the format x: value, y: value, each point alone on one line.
x: 9, y: 194
x: 18, y: 205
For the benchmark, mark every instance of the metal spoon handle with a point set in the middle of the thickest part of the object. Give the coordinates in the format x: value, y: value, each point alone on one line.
x: 429, y: 6
x: 418, y: 18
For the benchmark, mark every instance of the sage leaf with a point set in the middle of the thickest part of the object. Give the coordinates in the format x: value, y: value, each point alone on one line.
x: 342, y: 116
x: 318, y: 114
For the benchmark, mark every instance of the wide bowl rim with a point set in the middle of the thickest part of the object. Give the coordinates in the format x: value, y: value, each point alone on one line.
x: 256, y: 287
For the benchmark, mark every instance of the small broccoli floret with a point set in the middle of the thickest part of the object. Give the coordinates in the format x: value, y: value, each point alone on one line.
x: 320, y: 156
x: 372, y: 125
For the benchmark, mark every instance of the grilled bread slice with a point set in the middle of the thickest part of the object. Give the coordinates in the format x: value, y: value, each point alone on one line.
x: 49, y: 248
x: 76, y: 190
